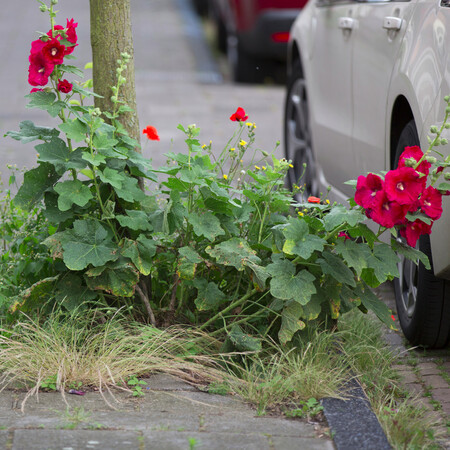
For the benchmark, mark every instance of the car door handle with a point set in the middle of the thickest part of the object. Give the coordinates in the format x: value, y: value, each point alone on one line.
x: 346, y: 23
x: 392, y: 23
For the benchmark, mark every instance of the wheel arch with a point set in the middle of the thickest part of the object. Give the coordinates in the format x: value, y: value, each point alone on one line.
x: 401, y: 115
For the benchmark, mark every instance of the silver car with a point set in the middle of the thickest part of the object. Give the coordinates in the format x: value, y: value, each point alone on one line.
x: 366, y: 79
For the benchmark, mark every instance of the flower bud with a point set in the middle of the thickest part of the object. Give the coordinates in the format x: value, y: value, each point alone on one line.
x: 447, y: 98
x: 447, y: 176
x: 433, y: 129
x: 43, y: 8
x: 410, y: 162
x: 54, y: 2
x: 265, y: 153
x: 447, y: 126
x: 431, y: 159
x: 444, y: 141
x: 114, y: 98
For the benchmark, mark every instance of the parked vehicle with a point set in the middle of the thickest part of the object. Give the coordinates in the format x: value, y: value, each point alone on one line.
x: 366, y: 79
x: 254, y: 35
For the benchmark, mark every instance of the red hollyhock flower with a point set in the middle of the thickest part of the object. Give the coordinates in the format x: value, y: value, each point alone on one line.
x: 69, y: 34
x: 431, y: 202
x: 54, y: 52
x: 151, y: 133
x: 386, y: 212
x: 403, y: 185
x: 313, y: 199
x: 367, y: 188
x: 239, y: 115
x: 36, y: 90
x: 414, y: 230
x: 416, y: 153
x: 64, y: 86
x: 344, y: 235
x: 36, y: 47
x: 39, y: 71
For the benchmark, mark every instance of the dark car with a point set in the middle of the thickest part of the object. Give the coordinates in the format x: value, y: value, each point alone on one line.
x: 254, y: 35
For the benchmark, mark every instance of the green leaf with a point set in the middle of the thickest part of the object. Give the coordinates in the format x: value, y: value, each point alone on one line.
x: 234, y: 252
x: 88, y: 243
x: 112, y: 177
x: 103, y: 141
x: 45, y: 101
x: 75, y: 130
x: 205, y: 224
x: 443, y: 187
x: 95, y: 159
x: 30, y: 132
x: 209, y: 296
x: 335, y: 267
x: 117, y: 279
x: 54, y: 152
x: 52, y: 212
x: 355, y: 254
x: 187, y: 263
x: 135, y: 220
x: 35, y: 296
x: 71, y: 293
x: 384, y: 262
x: 72, y: 192
x: 260, y: 274
x: 299, y: 241
x: 340, y: 215
x: 410, y: 253
x: 130, y: 191
x: 141, y: 252
x: 36, y: 182
x: 242, y: 341
x: 290, y: 322
x: 71, y: 69
x: 372, y: 303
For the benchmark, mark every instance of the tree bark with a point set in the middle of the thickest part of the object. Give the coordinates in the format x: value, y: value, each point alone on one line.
x: 110, y: 36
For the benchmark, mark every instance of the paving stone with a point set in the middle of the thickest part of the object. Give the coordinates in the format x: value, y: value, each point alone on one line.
x: 441, y: 395
x: 427, y: 365
x: 287, y: 443
x: 163, y: 382
x: 408, y: 377
x: 75, y: 439
x: 4, y: 437
x: 435, y: 381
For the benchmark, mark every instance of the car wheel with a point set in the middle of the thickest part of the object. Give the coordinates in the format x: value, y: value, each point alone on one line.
x: 423, y: 300
x: 244, y: 67
x: 297, y: 135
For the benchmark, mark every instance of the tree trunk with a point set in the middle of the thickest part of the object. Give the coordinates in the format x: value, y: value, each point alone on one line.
x: 110, y: 36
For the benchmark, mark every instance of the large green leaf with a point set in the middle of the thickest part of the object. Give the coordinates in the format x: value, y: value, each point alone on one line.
x: 117, y: 279
x: 205, y: 224
x: 130, y: 190
x: 335, y: 267
x: 54, y: 152
x: 135, y: 220
x: 187, y: 263
x: 243, y: 342
x: 209, y: 296
x: 141, y: 252
x: 340, y: 215
x: 36, y: 182
x: 88, y: 243
x: 75, y: 130
x: 290, y: 322
x: 46, y: 101
x: 112, y: 177
x: 299, y: 241
x: 234, y: 252
x: 355, y: 254
x: 410, y: 253
x: 51, y: 210
x: 29, y: 132
x: 384, y: 262
x: 71, y: 293
x: 72, y: 192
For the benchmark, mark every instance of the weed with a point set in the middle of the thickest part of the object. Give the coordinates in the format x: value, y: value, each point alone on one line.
x: 49, y: 383
x: 218, y: 389
x: 74, y: 417
x: 311, y: 408
x: 136, y: 386
x: 192, y: 443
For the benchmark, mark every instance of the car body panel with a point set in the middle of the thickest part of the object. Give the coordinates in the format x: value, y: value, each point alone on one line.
x: 410, y: 66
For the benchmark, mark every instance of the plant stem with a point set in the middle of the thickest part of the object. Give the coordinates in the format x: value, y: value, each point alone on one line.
x: 147, y: 305
x: 233, y: 305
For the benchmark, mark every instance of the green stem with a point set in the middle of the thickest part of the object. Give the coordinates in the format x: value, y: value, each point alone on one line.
x: 236, y: 322
x: 233, y: 305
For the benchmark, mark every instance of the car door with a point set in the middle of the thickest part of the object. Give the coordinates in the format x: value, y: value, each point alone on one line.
x: 378, y: 37
x: 330, y: 90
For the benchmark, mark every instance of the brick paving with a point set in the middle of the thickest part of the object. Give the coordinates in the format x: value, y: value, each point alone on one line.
x: 425, y: 374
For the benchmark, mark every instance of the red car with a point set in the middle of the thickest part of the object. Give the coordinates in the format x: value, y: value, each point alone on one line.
x: 254, y: 34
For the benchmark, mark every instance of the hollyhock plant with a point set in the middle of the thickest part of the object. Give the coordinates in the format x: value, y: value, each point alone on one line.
x: 53, y: 51
x: 40, y: 70
x: 64, y: 86
x: 413, y: 230
x: 386, y: 212
x: 366, y: 189
x: 403, y: 185
x: 414, y: 154
x: 431, y: 202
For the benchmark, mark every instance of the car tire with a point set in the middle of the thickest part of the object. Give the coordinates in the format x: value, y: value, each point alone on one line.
x: 297, y: 135
x: 244, y: 67
x: 422, y: 299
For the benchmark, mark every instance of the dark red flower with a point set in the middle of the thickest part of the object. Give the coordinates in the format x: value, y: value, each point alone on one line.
x: 344, y: 235
x: 69, y: 34
x: 40, y: 69
x: 64, y: 86
x: 439, y: 169
x: 36, y: 47
x: 151, y: 133
x: 415, y: 153
x: 413, y: 230
x: 36, y: 90
x: 239, y: 115
x: 367, y: 188
x: 403, y: 185
x: 386, y: 212
x: 54, y: 52
x: 313, y: 199
x: 431, y: 202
